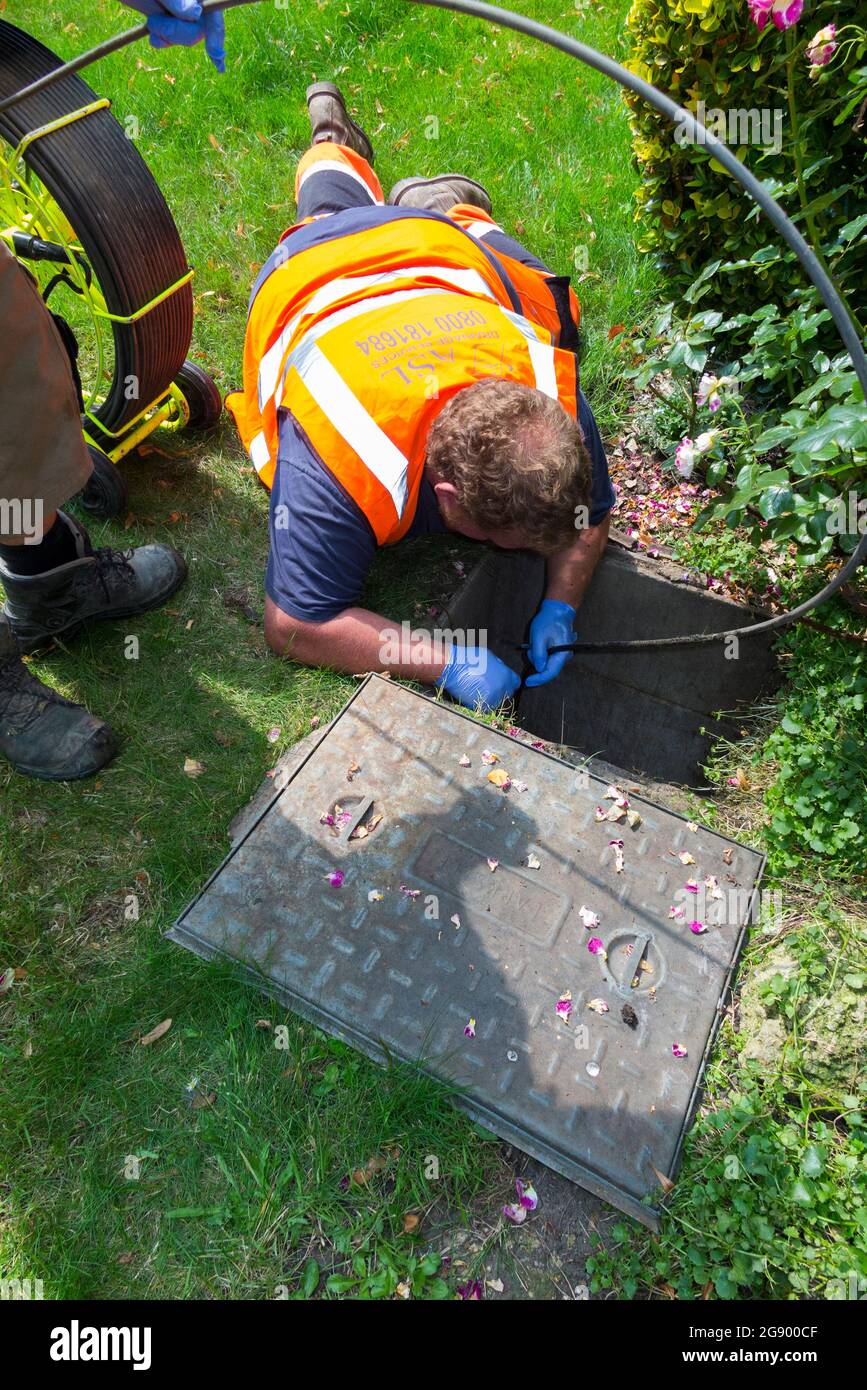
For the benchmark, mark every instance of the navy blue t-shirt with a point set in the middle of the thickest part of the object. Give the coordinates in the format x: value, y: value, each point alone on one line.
x: 322, y: 545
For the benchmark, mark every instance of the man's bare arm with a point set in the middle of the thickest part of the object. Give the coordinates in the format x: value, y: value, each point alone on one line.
x: 570, y: 572
x: 356, y: 640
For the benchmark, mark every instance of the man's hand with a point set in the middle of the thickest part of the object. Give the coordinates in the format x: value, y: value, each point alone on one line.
x: 551, y: 627
x: 478, y: 679
x: 181, y: 22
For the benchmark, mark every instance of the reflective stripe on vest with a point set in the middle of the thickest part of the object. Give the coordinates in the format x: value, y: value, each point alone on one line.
x: 468, y: 281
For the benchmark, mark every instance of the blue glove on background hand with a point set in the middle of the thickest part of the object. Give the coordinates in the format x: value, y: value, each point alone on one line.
x: 475, y: 677
x: 180, y: 22
x: 551, y: 627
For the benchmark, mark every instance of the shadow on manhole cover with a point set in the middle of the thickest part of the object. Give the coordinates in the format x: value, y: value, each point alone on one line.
x: 462, y: 900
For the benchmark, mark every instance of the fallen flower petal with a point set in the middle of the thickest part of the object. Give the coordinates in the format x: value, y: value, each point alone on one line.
x: 515, y: 1212
x: 409, y: 892
x: 527, y: 1195
x: 273, y: 735
x: 564, y: 1005
x: 678, y: 1050
x: 326, y: 818
x: 464, y: 760
x: 500, y: 778
x: 691, y: 886
x: 374, y: 896
x: 677, y: 912
x: 533, y: 862
x: 336, y: 877
x: 588, y: 917
x: 685, y: 857
x: 489, y: 757
x: 470, y: 1030
x: 456, y: 921
x: 598, y: 1006
x: 596, y: 947
x: 471, y: 1291
x: 492, y: 864
x: 697, y: 928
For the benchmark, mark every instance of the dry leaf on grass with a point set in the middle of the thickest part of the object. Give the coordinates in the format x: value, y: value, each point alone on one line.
x: 665, y: 1183
x: 156, y: 1033
x: 193, y: 768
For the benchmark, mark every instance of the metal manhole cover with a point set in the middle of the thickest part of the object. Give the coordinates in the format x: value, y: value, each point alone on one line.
x: 600, y: 1097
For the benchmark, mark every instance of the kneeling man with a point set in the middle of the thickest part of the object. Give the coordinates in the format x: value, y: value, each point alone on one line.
x: 409, y: 368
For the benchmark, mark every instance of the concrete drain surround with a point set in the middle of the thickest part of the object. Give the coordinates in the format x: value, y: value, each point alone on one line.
x: 600, y: 1101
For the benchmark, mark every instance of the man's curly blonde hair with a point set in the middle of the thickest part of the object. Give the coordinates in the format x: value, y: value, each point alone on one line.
x: 516, y: 460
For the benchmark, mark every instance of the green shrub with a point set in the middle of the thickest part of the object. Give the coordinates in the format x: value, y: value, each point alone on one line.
x: 691, y: 212
x: 818, y: 799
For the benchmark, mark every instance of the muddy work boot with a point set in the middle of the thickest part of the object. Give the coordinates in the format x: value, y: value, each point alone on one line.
x: 96, y: 584
x: 440, y: 194
x: 330, y: 120
x: 42, y: 734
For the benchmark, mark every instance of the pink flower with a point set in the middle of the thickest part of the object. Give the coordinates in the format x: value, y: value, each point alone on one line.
x: 708, y: 392
x: 471, y: 1290
x: 564, y: 1006
x: 470, y: 1030
x: 784, y: 13
x: 595, y: 946
x: 684, y: 457
x: 678, y: 1050
x: 821, y: 48
x: 336, y: 877
x: 697, y: 928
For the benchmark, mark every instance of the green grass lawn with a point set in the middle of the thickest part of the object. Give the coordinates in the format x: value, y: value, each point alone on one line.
x: 235, y: 1197
x: 214, y: 1163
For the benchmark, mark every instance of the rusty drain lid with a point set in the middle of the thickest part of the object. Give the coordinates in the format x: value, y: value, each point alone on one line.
x: 421, y: 935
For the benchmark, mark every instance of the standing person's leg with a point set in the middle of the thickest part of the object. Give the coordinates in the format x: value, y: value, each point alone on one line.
x: 336, y: 173
x: 42, y: 462
x: 53, y: 579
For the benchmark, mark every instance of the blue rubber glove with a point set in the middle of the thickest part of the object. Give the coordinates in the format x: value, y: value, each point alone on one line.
x: 551, y: 627
x: 180, y: 22
x: 477, y: 678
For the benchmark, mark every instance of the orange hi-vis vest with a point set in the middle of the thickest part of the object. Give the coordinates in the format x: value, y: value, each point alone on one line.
x: 365, y: 336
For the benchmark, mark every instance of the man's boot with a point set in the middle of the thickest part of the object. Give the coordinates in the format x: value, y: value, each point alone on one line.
x: 439, y: 194
x: 330, y: 120
x: 42, y: 734
x: 95, y: 584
